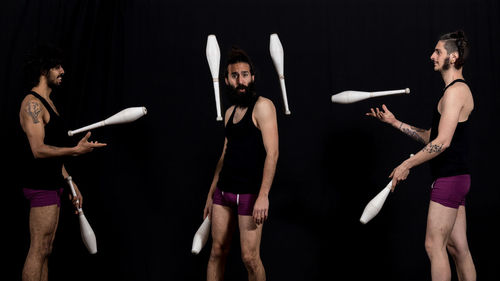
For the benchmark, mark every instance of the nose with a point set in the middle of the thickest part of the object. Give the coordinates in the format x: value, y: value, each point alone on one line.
x: 240, y: 80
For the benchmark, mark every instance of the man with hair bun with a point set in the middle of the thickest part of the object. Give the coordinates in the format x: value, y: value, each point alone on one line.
x: 446, y: 149
x: 244, y: 173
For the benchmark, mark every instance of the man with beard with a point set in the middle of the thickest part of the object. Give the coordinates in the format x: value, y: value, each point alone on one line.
x: 446, y: 150
x: 42, y: 164
x: 245, y: 171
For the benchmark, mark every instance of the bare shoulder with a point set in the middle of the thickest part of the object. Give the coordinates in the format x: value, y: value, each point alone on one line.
x: 458, y: 96
x: 264, y: 105
x: 31, y: 105
x: 458, y: 91
x: 264, y: 112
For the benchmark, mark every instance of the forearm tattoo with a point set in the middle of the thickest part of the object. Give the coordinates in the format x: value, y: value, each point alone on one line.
x: 413, y: 132
x: 33, y: 109
x: 433, y: 148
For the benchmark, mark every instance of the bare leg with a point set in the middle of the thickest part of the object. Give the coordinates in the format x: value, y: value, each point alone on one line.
x: 459, y: 248
x: 223, y: 225
x: 440, y: 221
x: 250, y: 237
x: 43, y: 224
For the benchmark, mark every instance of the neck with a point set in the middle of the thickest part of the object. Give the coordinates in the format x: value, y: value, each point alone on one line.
x: 42, y: 88
x: 451, y: 74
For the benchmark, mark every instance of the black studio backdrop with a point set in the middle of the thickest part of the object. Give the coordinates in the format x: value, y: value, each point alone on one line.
x: 145, y: 192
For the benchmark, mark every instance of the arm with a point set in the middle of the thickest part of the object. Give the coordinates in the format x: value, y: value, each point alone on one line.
x: 31, y: 118
x: 451, y: 106
x: 265, y: 115
x: 208, y: 205
x: 386, y: 116
x: 78, y: 199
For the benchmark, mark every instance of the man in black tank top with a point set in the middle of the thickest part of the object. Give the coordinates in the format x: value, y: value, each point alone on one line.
x: 43, y: 170
x: 445, y: 150
x: 239, y: 191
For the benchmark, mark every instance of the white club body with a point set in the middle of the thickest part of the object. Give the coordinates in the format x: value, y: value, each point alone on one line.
x: 86, y: 231
x: 277, y: 55
x: 201, y: 236
x: 374, y: 206
x: 355, y: 96
x: 213, y: 58
x: 125, y: 116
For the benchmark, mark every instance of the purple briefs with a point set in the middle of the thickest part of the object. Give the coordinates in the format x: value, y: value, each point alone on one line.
x: 451, y: 191
x: 243, y: 202
x: 41, y: 198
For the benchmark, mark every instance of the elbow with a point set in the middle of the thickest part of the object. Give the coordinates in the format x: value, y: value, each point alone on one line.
x: 273, y: 155
x: 445, y: 145
x: 37, y: 155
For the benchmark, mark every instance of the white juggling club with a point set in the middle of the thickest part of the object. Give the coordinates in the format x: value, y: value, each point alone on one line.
x: 88, y: 235
x: 355, y: 96
x: 276, y: 50
x: 125, y: 116
x: 375, y: 205
x: 201, y: 236
x: 213, y: 58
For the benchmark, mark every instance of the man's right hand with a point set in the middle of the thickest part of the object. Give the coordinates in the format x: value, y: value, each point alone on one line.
x: 208, y: 208
x: 383, y: 115
x: 84, y: 146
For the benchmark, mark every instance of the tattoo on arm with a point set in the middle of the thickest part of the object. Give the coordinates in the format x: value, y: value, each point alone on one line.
x: 33, y: 109
x: 414, y: 133
x: 433, y: 148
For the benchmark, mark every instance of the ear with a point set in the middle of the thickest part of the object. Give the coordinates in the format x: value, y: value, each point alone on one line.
x: 453, y: 57
x: 227, y: 82
x: 253, y: 78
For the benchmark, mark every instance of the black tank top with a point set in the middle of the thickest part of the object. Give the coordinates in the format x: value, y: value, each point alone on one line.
x: 452, y: 161
x: 45, y: 173
x: 243, y: 164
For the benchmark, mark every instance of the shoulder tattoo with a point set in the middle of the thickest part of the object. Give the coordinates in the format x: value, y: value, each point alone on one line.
x: 34, y: 109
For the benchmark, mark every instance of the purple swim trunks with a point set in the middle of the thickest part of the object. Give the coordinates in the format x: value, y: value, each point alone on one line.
x: 243, y: 202
x: 451, y: 191
x: 41, y: 198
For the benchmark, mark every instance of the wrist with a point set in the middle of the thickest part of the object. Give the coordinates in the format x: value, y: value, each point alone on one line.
x: 396, y: 123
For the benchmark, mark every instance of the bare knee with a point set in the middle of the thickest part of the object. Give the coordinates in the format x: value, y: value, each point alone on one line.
x: 433, y: 246
x: 458, y: 250
x: 42, y: 247
x: 219, y: 251
x: 251, y: 259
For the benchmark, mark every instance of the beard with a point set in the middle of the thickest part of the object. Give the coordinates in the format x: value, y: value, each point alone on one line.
x: 241, y: 99
x: 52, y: 81
x: 446, y: 64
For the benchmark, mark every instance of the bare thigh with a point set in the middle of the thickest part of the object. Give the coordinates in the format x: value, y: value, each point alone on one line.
x: 440, y: 222
x: 458, y: 236
x: 250, y: 235
x: 223, y: 225
x: 43, y: 224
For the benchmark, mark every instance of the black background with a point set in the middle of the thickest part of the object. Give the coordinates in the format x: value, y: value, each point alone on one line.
x: 145, y: 192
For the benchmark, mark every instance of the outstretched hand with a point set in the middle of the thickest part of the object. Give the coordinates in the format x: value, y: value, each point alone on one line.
x: 84, y: 146
x: 383, y: 115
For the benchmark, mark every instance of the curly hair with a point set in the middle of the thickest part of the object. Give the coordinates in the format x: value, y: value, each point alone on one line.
x: 39, y: 60
x: 456, y: 42
x: 237, y: 55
